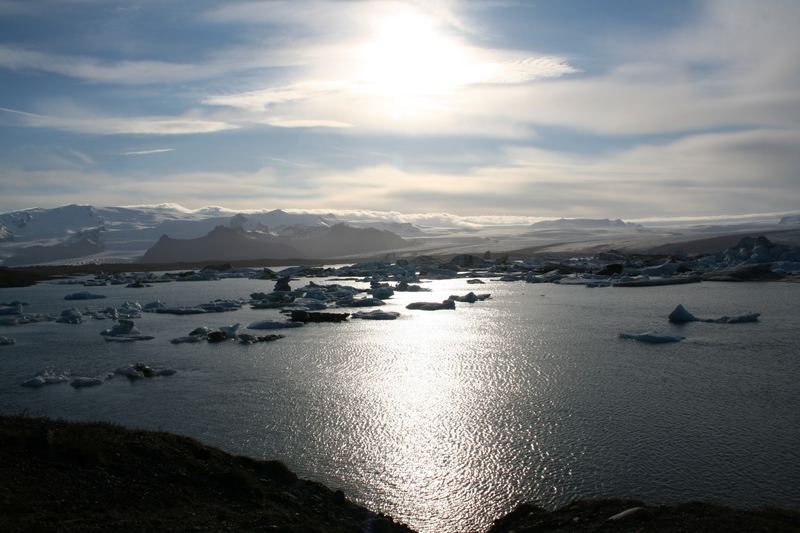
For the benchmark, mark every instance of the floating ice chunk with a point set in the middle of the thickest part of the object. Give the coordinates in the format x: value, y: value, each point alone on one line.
x: 230, y: 331
x: 274, y: 324
x: 124, y: 331
x: 681, y: 315
x: 246, y: 338
x: 361, y: 302
x: 124, y: 327
x: 11, y: 309
x: 305, y: 316
x: 187, y: 339
x: 141, y: 370
x: 377, y: 314
x: 651, y: 337
x: 83, y: 295
x: 381, y: 293
x: 470, y: 297
x: 740, y: 319
x: 70, y: 316
x: 152, y: 307
x: 46, y: 377
x: 432, y: 306
x: 81, y: 382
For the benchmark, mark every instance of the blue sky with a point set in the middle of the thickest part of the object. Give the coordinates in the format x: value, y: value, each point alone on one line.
x: 542, y: 108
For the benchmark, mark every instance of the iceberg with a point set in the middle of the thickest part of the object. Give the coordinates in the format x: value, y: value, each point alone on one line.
x: 470, y: 297
x: 432, y: 306
x: 81, y: 382
x: 680, y: 315
x: 299, y: 315
x: 70, y: 316
x: 246, y: 338
x: 124, y: 331
x: 141, y: 370
x: 46, y: 377
x: 84, y: 295
x: 377, y: 314
x: 274, y: 324
x: 650, y: 337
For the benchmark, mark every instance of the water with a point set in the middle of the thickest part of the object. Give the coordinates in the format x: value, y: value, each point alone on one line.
x: 447, y: 419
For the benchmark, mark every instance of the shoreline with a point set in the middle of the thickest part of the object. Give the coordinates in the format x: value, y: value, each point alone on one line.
x: 98, y: 476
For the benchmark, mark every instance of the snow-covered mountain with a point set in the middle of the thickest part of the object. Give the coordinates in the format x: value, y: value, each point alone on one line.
x: 585, y: 224
x: 124, y: 233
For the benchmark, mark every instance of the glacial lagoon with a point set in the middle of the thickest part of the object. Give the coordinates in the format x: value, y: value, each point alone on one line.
x: 447, y: 419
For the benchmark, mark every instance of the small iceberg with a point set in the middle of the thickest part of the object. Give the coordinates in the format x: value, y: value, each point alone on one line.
x: 83, y: 295
x: 152, y: 307
x: 246, y: 338
x: 124, y: 331
x: 377, y: 314
x: 188, y: 339
x: 11, y: 309
x: 81, y: 382
x: 470, y: 297
x: 46, y: 377
x: 381, y: 293
x: 680, y: 315
x: 70, y: 316
x: 230, y: 331
x: 141, y: 371
x: 274, y: 324
x: 432, y: 306
x: 305, y: 316
x: 361, y: 302
x: 404, y: 286
x: 650, y: 337
x: 7, y: 341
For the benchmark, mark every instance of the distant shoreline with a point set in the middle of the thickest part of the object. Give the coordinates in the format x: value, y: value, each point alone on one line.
x: 81, y: 476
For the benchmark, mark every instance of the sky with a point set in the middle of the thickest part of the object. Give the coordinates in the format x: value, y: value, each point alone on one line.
x: 620, y: 108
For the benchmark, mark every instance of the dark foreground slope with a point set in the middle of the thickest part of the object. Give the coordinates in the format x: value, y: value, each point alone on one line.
x: 60, y: 476
x: 66, y: 476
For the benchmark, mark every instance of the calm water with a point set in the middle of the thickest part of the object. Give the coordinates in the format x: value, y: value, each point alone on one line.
x: 447, y: 419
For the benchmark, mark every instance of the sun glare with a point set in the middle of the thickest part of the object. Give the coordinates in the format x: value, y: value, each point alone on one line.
x: 410, y: 64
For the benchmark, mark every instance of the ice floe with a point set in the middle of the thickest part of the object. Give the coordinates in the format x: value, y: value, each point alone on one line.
x: 680, y: 315
x: 377, y: 314
x: 84, y: 295
x: 273, y: 324
x: 432, y: 306
x: 46, y: 377
x: 651, y: 337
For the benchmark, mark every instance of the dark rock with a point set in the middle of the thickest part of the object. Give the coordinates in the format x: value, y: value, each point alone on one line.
x: 612, y: 269
x: 298, y: 315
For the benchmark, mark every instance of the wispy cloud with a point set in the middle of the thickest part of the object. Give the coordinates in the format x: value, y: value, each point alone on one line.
x: 148, y: 152
x: 86, y: 121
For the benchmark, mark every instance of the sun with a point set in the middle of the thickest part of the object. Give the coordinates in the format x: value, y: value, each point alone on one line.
x: 410, y: 64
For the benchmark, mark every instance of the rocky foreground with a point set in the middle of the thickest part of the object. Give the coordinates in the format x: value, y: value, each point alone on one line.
x: 67, y: 476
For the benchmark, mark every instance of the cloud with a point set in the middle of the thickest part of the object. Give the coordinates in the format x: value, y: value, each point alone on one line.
x: 148, y: 152
x: 702, y: 174
x: 85, y: 121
